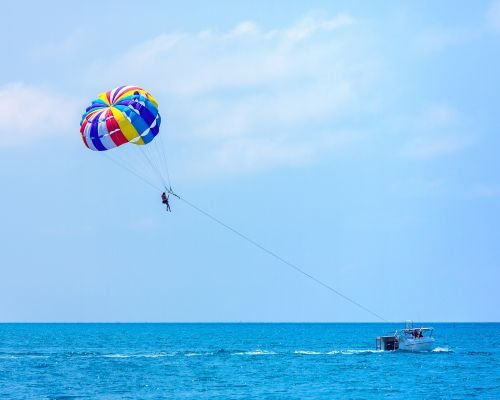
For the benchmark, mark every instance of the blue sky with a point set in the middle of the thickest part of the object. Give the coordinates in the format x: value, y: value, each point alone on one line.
x: 358, y: 140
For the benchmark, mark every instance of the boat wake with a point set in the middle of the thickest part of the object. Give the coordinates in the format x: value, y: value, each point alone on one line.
x: 335, y: 352
x: 442, y: 350
x: 220, y: 352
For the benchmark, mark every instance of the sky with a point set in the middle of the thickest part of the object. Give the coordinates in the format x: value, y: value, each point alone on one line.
x: 357, y: 140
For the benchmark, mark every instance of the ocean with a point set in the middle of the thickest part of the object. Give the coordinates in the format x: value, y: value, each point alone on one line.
x: 244, y: 361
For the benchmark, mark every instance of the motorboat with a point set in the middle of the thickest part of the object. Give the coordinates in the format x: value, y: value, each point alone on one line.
x: 408, y: 339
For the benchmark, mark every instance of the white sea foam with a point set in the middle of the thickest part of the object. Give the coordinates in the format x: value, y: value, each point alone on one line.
x: 193, y: 354
x: 355, y: 351
x: 12, y: 356
x: 442, y: 350
x: 116, y: 355
x: 257, y: 352
x: 307, y: 352
x: 140, y: 355
x: 157, y: 355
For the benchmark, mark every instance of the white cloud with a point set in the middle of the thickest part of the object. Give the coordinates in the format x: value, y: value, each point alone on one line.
x: 420, y: 186
x: 429, y: 146
x: 246, y: 57
x: 255, y: 114
x: 33, y: 113
x: 256, y: 154
x: 246, y: 28
x: 493, y: 15
x: 246, y: 155
x: 65, y: 46
x: 144, y: 223
x: 252, y: 93
x: 433, y: 133
x: 440, y: 114
x: 439, y: 38
x: 310, y: 25
x: 487, y: 190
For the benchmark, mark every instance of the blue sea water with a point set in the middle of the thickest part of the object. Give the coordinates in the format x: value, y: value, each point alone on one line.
x: 243, y: 361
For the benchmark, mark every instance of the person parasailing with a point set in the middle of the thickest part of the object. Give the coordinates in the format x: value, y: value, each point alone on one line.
x: 164, y: 200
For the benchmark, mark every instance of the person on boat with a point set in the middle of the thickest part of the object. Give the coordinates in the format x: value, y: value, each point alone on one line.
x: 164, y: 200
x: 417, y: 334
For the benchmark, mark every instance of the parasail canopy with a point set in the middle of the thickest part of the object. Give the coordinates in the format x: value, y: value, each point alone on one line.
x: 127, y: 114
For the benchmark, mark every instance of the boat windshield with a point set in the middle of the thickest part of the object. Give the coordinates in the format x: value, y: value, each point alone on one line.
x: 418, y: 332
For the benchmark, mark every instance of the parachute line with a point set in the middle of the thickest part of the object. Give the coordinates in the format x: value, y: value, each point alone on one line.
x: 124, y: 166
x: 163, y: 154
x: 278, y: 257
x: 152, y: 163
x: 249, y: 240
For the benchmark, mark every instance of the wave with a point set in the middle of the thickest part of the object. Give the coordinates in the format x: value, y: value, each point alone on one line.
x: 308, y: 352
x: 355, y: 351
x: 334, y: 352
x: 478, y: 353
x: 220, y: 352
x: 157, y: 355
x: 116, y: 355
x: 192, y: 354
x: 22, y: 355
x: 141, y: 355
x: 257, y: 352
x: 442, y: 350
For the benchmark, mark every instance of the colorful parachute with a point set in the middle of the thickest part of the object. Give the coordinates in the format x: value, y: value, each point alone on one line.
x: 127, y: 114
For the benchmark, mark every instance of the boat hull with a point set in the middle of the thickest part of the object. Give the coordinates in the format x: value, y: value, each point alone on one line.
x: 422, y: 344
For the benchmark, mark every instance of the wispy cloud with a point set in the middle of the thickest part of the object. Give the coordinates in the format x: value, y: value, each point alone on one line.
x: 493, y: 15
x: 144, y: 223
x: 429, y: 146
x: 32, y: 113
x: 433, y: 133
x: 64, y: 47
x: 247, y: 154
x: 487, y: 190
x: 439, y: 114
x: 439, y: 38
x: 253, y: 98
x: 246, y: 56
x: 277, y: 108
